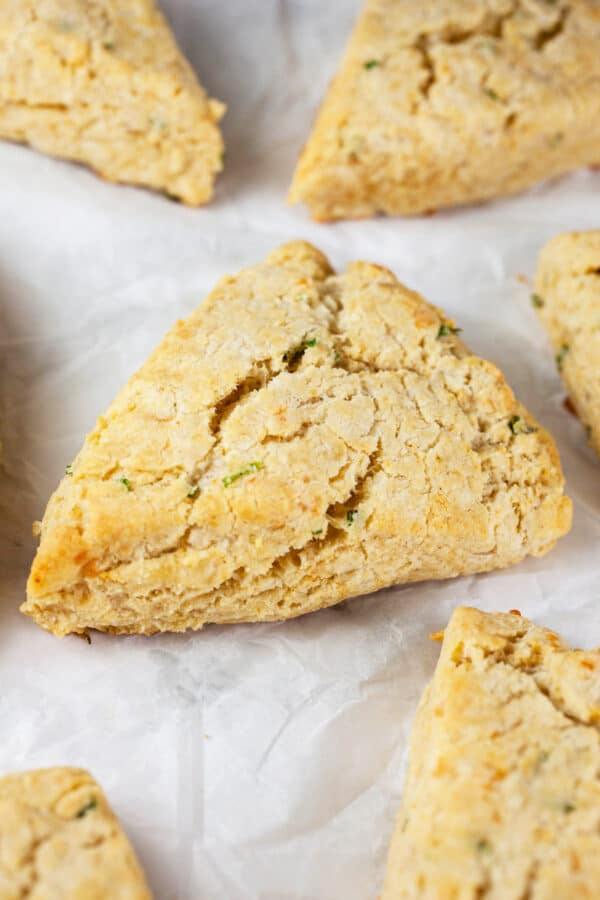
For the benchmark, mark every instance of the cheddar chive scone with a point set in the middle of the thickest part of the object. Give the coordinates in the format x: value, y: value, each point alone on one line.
x: 105, y: 84
x: 301, y: 438
x: 59, y: 840
x: 502, y: 796
x: 442, y: 103
x: 567, y: 298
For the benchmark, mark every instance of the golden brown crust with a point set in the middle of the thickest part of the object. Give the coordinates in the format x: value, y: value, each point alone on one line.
x: 502, y: 797
x: 104, y: 83
x: 567, y: 298
x: 59, y: 839
x: 301, y: 438
x: 444, y: 102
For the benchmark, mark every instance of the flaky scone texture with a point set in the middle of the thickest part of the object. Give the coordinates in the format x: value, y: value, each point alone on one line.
x: 502, y: 797
x: 443, y: 102
x: 301, y: 438
x: 59, y: 840
x: 104, y: 83
x: 567, y: 298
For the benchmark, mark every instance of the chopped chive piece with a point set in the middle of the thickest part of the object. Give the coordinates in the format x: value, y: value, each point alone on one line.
x: 194, y: 491
x: 446, y: 329
x: 491, y: 93
x: 537, y: 301
x: 483, y: 846
x: 92, y: 804
x: 568, y: 807
x: 351, y: 514
x: 126, y: 483
x: 519, y: 426
x: 560, y: 356
x: 295, y: 354
x: 69, y: 470
x: 318, y: 531
x: 108, y: 45
x: 371, y: 64
x: 228, y: 480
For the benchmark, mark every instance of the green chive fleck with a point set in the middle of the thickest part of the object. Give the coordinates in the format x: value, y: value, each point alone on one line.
x: 108, y: 45
x: 491, y: 93
x: 295, y: 354
x: 318, y: 531
x: 560, y: 356
x: 371, y: 64
x: 126, y: 483
x: 483, y: 846
x: 69, y: 470
x: 446, y: 329
x: 228, y: 480
x: 537, y: 301
x: 351, y: 514
x: 519, y: 426
x: 92, y: 804
x: 568, y: 807
x: 194, y: 491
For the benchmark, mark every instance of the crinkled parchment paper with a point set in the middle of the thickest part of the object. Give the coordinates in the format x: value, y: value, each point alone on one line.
x: 252, y: 761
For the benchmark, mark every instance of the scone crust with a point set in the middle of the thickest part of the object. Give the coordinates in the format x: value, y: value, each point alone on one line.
x: 502, y: 797
x: 105, y: 84
x: 301, y: 438
x: 443, y: 103
x: 59, y: 839
x: 567, y: 298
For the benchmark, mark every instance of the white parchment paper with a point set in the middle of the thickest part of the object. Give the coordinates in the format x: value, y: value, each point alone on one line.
x: 252, y: 761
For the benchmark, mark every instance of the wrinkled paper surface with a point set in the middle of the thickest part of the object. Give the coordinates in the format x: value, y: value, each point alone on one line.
x: 252, y: 761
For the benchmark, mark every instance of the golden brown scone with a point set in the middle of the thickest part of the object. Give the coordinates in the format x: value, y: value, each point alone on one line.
x: 301, y: 438
x: 59, y: 840
x: 104, y: 83
x: 502, y: 797
x: 441, y: 102
x: 567, y: 297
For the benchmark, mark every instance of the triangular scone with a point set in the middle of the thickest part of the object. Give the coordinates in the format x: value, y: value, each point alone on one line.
x: 60, y: 840
x: 567, y: 297
x: 502, y: 796
x: 301, y: 438
x: 104, y: 83
x: 437, y: 104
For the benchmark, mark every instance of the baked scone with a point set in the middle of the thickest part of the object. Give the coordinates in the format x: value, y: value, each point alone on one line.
x: 442, y: 103
x: 567, y: 298
x: 104, y: 83
x: 59, y: 840
x: 301, y: 438
x: 502, y: 796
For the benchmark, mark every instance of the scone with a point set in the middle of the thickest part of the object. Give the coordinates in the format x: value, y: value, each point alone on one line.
x: 104, y: 83
x: 301, y: 438
x: 442, y: 103
x: 502, y: 797
x: 567, y: 298
x: 59, y: 840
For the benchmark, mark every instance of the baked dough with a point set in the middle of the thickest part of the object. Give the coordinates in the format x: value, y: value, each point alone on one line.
x: 104, y: 83
x: 502, y: 797
x: 59, y: 840
x: 301, y: 438
x: 567, y: 297
x: 440, y: 103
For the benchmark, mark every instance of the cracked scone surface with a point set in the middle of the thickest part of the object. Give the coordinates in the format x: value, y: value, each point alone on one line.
x: 301, y: 438
x: 568, y: 301
x: 59, y: 840
x: 441, y: 103
x: 502, y: 797
x: 104, y: 83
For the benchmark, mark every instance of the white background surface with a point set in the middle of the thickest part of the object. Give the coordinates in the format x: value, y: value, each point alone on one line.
x: 252, y: 761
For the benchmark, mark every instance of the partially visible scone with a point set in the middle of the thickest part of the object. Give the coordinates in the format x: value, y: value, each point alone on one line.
x: 301, y: 438
x: 104, y: 83
x: 441, y: 103
x: 59, y: 840
x: 567, y: 298
x: 502, y: 796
